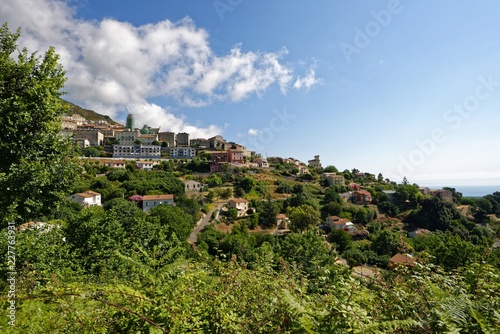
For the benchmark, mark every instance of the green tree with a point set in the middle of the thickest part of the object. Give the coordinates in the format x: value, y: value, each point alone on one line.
x: 225, y: 193
x: 332, y: 195
x: 331, y: 209
x: 385, y: 243
x: 302, y: 217
x: 408, y: 194
x: 91, y: 152
x: 232, y: 213
x: 34, y: 174
x: 485, y: 205
x: 342, y: 239
x: 214, y: 181
x: 267, y: 217
x: 173, y: 220
x: 330, y: 169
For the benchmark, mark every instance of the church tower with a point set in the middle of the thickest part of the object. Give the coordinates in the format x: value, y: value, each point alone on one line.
x: 130, y: 122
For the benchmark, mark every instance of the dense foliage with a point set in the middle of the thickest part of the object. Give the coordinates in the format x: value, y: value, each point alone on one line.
x: 34, y: 173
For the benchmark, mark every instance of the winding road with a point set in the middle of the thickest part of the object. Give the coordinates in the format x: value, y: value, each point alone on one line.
x: 201, y: 224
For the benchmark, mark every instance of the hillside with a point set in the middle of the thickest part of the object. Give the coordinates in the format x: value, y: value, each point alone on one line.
x: 87, y: 114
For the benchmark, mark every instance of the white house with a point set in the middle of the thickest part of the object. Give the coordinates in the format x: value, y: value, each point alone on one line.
x: 152, y: 201
x: 88, y: 198
x: 191, y: 185
x: 239, y: 204
x: 303, y: 170
x: 146, y: 165
x: 337, y: 223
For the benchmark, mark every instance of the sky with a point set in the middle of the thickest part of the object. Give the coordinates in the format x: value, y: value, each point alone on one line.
x: 402, y: 88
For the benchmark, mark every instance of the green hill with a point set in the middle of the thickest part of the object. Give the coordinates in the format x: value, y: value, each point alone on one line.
x: 87, y: 114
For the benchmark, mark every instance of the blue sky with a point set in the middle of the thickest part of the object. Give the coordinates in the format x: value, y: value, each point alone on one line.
x: 398, y: 87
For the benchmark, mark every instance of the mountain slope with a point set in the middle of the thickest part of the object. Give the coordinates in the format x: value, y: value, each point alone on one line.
x: 87, y: 114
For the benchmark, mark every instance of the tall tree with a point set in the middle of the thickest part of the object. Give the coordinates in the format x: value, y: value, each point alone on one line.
x: 302, y: 217
x: 267, y: 217
x: 34, y: 173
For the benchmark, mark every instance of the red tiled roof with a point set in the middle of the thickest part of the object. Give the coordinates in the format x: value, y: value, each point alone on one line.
x: 88, y: 193
x: 157, y: 197
x: 400, y: 258
x: 342, y: 221
x: 239, y: 200
x: 363, y: 192
x: 281, y: 216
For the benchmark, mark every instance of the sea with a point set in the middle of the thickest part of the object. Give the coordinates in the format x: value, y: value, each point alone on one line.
x: 471, y: 191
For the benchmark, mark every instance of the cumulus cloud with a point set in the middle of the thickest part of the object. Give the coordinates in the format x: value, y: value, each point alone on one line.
x: 253, y: 132
x: 115, y: 67
x: 308, y: 81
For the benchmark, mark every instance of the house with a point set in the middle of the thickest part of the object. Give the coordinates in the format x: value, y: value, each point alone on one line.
x: 358, y: 176
x: 443, y: 194
x: 401, y: 260
x: 291, y: 161
x: 424, y: 190
x: 169, y: 137
x: 146, y: 165
x: 82, y: 143
x: 182, y: 139
x: 147, y: 139
x: 235, y: 156
x: 218, y: 160
x: 303, y: 170
x: 239, y: 204
x: 345, y: 196
x: 261, y: 162
x: 95, y: 138
x: 152, y: 201
x: 361, y: 197
x: 113, y: 163
x: 200, y: 143
x: 136, y: 151
x: 282, y: 221
x: 191, y: 185
x: 337, y: 223
x: 418, y: 232
x: 127, y: 137
x: 217, y: 142
x: 87, y: 198
x: 330, y: 220
x: 315, y: 163
x: 185, y: 152
x: 333, y: 179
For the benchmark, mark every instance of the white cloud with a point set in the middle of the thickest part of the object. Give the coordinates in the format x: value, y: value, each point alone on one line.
x: 114, y: 66
x: 253, y: 132
x: 308, y: 81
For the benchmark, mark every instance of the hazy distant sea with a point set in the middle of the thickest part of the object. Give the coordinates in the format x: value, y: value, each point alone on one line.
x: 473, y: 191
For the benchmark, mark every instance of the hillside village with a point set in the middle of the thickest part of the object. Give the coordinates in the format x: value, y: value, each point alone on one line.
x: 147, y: 148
